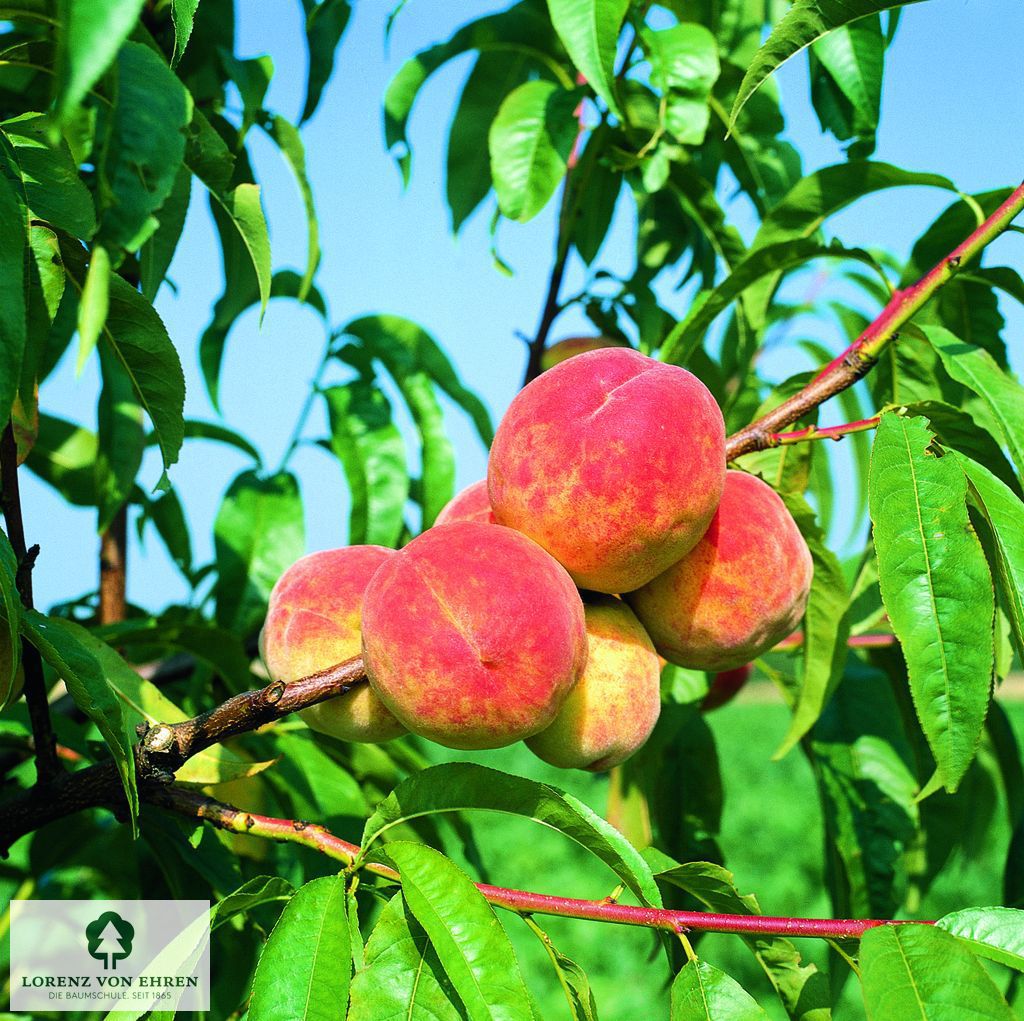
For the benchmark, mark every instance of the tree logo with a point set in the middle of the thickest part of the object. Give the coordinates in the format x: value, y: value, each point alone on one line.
x: 110, y: 939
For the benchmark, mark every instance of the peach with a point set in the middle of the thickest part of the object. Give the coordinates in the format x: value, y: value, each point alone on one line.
x: 473, y: 636
x: 313, y: 622
x: 572, y: 346
x: 739, y: 591
x: 616, y: 703
x: 472, y: 504
x: 725, y: 686
x: 613, y: 462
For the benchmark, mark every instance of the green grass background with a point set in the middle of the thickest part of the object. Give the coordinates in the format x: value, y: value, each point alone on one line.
x: 772, y: 840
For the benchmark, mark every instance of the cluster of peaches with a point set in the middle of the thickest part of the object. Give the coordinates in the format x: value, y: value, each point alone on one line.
x: 607, y: 534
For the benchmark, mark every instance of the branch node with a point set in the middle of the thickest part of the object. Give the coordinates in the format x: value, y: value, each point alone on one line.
x: 273, y: 692
x: 953, y: 262
x: 299, y: 825
x: 158, y: 738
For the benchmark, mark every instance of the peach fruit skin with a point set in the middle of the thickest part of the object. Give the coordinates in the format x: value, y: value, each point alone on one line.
x: 313, y: 622
x: 472, y: 504
x: 473, y: 636
x: 572, y: 346
x: 742, y: 588
x: 616, y: 703
x: 613, y: 462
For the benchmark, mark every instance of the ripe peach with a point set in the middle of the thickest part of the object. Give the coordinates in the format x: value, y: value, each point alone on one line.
x: 725, y: 686
x: 613, y: 462
x: 739, y: 591
x: 473, y: 636
x: 616, y: 703
x: 472, y: 504
x: 313, y: 622
x: 572, y: 346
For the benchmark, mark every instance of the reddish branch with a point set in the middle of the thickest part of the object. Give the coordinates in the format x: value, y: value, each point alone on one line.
x: 812, y: 432
x: 320, y: 839
x: 857, y: 360
x: 48, y: 765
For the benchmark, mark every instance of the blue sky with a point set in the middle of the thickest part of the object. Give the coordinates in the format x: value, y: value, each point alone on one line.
x: 952, y: 105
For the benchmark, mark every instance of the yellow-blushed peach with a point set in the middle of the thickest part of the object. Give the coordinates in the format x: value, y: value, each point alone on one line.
x: 473, y: 636
x: 470, y: 504
x: 740, y: 590
x: 616, y: 703
x: 314, y: 621
x: 613, y: 462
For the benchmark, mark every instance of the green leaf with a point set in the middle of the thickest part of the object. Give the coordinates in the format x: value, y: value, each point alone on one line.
x: 684, y: 67
x: 241, y: 292
x: 468, y: 165
x: 936, y: 588
x: 90, y: 668
x: 461, y: 786
x: 139, y: 341
x: 10, y: 612
x: 865, y: 770
x: 703, y: 993
x: 46, y: 176
x: 120, y: 438
x: 207, y: 154
x: 589, y: 30
x: 826, y: 627
x: 168, y: 517
x: 530, y: 141
x: 257, y: 891
x: 196, y: 430
x: 93, y: 306
x: 853, y: 57
x: 183, y: 13
x: 978, y: 371
x: 467, y: 937
x: 522, y: 28
x: 304, y: 971
x: 325, y: 25
x: 996, y: 933
x: 241, y: 208
x: 921, y: 972
x: 801, y: 987
x: 252, y: 77
x: 258, y: 533
x: 572, y: 978
x: 64, y: 455
x: 601, y: 190
x: 401, y: 976
x: 144, y: 149
x: 804, y: 23
x: 764, y: 263
x: 89, y: 36
x: 289, y: 141
x: 13, y: 324
x: 157, y: 253
x: 1005, y: 514
x: 370, y: 448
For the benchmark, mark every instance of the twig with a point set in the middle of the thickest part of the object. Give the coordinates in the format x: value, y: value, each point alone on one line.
x: 48, y: 765
x: 318, y: 838
x: 113, y: 569
x: 165, y: 747
x: 862, y: 354
x: 812, y: 432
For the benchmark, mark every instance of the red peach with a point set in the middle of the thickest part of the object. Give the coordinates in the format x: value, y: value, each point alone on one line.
x: 572, y: 346
x: 472, y: 504
x: 613, y: 462
x: 473, y: 636
x: 739, y: 591
x: 616, y: 702
x: 725, y: 686
x: 313, y: 622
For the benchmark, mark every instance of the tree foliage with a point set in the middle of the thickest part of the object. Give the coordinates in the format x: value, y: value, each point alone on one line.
x: 114, y: 117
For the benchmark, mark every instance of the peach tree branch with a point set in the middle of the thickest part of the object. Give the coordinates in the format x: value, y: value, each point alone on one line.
x: 860, y: 357
x: 523, y: 902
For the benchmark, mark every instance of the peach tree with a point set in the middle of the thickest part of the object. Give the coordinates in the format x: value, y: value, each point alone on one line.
x: 156, y: 751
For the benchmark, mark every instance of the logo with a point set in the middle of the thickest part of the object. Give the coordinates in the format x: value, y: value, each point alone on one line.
x: 110, y: 939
